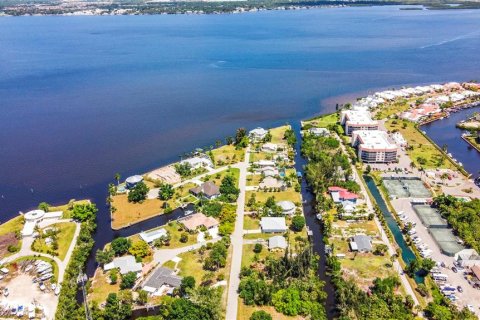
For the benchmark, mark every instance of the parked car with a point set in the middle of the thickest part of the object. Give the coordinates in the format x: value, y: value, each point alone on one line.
x: 460, y: 289
x: 454, y: 269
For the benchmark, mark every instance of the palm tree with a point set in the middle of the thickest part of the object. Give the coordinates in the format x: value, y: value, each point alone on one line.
x: 118, y: 177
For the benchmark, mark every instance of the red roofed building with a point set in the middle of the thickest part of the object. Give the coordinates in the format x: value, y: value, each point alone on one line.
x: 341, y: 194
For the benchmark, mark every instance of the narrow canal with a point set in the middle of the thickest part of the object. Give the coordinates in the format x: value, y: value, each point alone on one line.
x: 406, y: 252
x: 313, y: 224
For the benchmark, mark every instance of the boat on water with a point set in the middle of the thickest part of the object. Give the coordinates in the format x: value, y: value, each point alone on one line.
x: 319, y: 217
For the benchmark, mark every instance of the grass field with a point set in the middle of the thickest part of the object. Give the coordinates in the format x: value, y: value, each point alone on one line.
x: 128, y: 213
x: 278, y: 134
x: 12, y: 225
x: 245, y: 312
x: 248, y: 256
x: 424, y: 153
x: 250, y: 223
x: 393, y: 108
x: 254, y: 179
x: 217, y: 178
x: 176, y: 231
x: 261, y: 196
x: 227, y: 155
x: 65, y: 237
x: 322, y: 121
x: 101, y: 288
x: 257, y: 156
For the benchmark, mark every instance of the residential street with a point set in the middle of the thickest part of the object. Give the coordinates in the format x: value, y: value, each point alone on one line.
x: 237, y: 243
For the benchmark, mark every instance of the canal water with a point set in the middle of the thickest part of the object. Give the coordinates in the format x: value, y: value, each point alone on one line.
x: 315, y: 227
x: 444, y: 132
x: 407, y: 253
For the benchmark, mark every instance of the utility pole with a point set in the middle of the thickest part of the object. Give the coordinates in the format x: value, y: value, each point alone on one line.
x: 82, y: 278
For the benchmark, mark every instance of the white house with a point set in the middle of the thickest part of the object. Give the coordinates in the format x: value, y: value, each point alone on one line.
x: 152, y: 235
x: 132, y: 181
x: 269, y: 147
x: 277, y: 242
x: 264, y: 163
x: 319, y: 132
x: 288, y: 207
x: 273, y: 224
x: 36, y: 216
x: 125, y: 264
x: 199, y: 162
x: 257, y: 134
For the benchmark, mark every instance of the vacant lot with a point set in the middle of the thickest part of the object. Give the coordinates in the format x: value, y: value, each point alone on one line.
x: 322, y: 121
x: 101, y: 287
x: 64, y: 238
x: 261, y: 196
x: 228, y: 155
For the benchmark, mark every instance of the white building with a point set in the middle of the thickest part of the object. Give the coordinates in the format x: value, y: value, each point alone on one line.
x: 273, y: 224
x: 319, y: 132
x: 257, y: 134
x: 125, y: 264
x: 198, y: 162
x: 152, y: 235
x: 265, y: 163
x: 277, y: 242
x: 269, y: 147
x: 36, y: 216
x: 399, y: 139
x: 132, y: 181
x: 374, y: 146
x: 357, y: 120
x: 288, y: 207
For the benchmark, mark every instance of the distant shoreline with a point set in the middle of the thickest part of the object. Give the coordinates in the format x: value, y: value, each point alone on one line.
x: 200, y: 8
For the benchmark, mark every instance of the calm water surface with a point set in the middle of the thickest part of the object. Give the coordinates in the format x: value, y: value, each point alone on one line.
x: 84, y: 97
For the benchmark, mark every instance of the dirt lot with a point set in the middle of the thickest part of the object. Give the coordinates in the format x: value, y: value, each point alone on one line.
x: 23, y: 292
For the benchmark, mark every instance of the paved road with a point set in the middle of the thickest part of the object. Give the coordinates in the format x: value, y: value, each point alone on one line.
x: 385, y: 239
x: 237, y: 243
x: 26, y: 249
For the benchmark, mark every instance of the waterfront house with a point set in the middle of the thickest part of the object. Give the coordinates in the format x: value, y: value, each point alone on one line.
x: 340, y: 195
x: 277, y: 242
x: 199, y: 162
x: 192, y: 222
x: 288, y: 207
x: 32, y: 218
x: 273, y: 224
x: 132, y: 181
x: 257, y: 134
x: 162, y: 281
x: 208, y: 190
x: 361, y: 243
x: 125, y: 265
x: 271, y: 182
x: 269, y: 147
x: 268, y: 171
x: 152, y: 235
x: 319, y: 132
x: 467, y: 258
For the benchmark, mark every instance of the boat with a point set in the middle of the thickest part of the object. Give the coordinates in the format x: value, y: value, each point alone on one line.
x: 57, y: 290
x: 46, y: 276
x: 20, y: 311
x: 28, y: 268
x: 319, y: 217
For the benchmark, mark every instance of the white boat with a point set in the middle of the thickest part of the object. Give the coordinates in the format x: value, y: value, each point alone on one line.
x: 57, y: 290
x: 28, y: 268
x: 319, y: 217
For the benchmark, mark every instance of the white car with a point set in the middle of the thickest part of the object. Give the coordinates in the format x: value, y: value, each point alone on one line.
x: 471, y: 308
x: 412, y: 232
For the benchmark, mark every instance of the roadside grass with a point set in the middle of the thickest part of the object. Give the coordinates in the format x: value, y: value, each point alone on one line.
x: 322, y: 121
x: 191, y: 265
x: 262, y: 196
x: 245, y: 312
x: 65, y: 237
x: 218, y: 177
x: 100, y: 287
x: 423, y: 150
x: 250, y: 223
x: 254, y: 179
x: 127, y: 213
x: 249, y: 257
x: 228, y: 154
x: 264, y: 236
x: 170, y: 264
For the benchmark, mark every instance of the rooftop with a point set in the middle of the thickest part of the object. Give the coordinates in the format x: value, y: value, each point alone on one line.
x: 362, y: 243
x: 150, y: 236
x: 273, y: 223
x: 357, y: 117
x: 208, y: 188
x: 163, y: 276
x: 196, y: 220
x: 373, y: 140
x: 277, y: 242
x: 126, y: 264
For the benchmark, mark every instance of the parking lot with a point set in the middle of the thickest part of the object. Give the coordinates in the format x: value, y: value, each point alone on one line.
x: 22, y: 289
x: 469, y: 295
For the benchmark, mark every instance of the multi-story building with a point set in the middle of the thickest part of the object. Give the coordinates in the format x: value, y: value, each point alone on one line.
x: 374, y: 146
x: 357, y: 120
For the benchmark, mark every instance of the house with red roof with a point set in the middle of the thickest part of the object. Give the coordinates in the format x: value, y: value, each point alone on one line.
x: 340, y: 195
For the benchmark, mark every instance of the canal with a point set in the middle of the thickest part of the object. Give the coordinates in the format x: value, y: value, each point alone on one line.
x: 313, y: 224
x: 406, y: 252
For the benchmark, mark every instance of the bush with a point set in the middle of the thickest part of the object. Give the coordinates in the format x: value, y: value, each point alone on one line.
x: 121, y: 245
x: 13, y: 248
x: 128, y: 280
x: 258, y: 248
x: 184, y: 237
x: 298, y: 222
x: 138, y: 193
x: 260, y: 315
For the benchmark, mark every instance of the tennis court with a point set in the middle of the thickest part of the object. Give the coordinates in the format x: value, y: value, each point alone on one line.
x: 406, y: 187
x: 446, y: 241
x: 429, y: 216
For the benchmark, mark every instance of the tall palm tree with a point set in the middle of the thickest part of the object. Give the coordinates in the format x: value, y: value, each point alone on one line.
x: 118, y: 177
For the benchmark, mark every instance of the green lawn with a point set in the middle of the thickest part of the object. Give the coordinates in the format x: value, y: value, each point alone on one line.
x: 278, y: 134
x: 101, y: 288
x: 392, y: 108
x: 227, y: 155
x: 261, y: 196
x: 13, y: 225
x: 254, y: 179
x: 248, y: 256
x: 265, y: 236
x: 257, y: 156
x: 176, y: 230
x: 423, y: 150
x: 322, y: 121
x: 65, y: 237
x: 250, y: 223
x: 218, y: 177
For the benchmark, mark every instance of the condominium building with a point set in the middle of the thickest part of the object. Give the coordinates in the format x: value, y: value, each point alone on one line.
x: 357, y: 120
x: 374, y: 146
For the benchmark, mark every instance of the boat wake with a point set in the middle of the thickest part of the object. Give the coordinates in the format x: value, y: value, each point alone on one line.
x: 473, y: 34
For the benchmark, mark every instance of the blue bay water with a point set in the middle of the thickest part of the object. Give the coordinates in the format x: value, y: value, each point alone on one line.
x: 82, y: 98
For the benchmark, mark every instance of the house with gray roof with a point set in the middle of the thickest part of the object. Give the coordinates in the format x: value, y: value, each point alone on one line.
x: 361, y: 243
x: 161, y: 281
x: 273, y: 224
x: 125, y: 264
x: 208, y: 189
x: 277, y: 242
